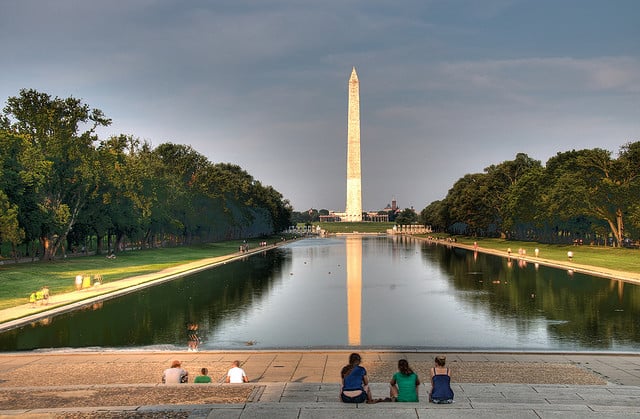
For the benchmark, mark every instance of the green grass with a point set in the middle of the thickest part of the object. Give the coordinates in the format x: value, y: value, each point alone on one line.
x: 363, y: 227
x: 17, y: 281
x: 621, y: 259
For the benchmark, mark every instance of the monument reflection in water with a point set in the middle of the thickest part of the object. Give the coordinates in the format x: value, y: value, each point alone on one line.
x: 354, y: 288
x: 359, y: 292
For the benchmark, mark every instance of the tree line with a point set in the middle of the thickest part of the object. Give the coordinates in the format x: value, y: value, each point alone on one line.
x: 312, y: 215
x: 61, y: 185
x: 582, y: 196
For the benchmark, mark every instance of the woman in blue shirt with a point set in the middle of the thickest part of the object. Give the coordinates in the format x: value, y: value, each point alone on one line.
x: 355, y: 383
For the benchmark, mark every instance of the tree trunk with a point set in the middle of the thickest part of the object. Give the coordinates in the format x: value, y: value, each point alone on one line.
x: 617, y: 228
x: 99, y: 244
x: 146, y: 238
x: 47, y: 253
x: 52, y: 245
x: 620, y: 227
x: 120, y: 241
x: 109, y: 246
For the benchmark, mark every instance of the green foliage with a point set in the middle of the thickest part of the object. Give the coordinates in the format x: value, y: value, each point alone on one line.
x: 585, y: 194
x: 310, y: 216
x: 10, y: 230
x: 435, y: 215
x: 63, y: 153
x: 62, y: 185
x: 406, y: 217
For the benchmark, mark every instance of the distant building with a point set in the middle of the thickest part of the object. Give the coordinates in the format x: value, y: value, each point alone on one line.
x: 391, y: 207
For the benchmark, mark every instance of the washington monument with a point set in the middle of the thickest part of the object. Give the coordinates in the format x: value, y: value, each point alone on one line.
x: 353, y: 210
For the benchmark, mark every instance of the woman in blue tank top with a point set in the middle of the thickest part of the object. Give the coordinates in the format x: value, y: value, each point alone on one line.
x: 440, y: 382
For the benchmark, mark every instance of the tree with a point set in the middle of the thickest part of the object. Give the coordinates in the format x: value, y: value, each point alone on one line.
x: 23, y: 175
x: 523, y: 211
x: 627, y: 185
x: 181, y: 168
x: 52, y: 127
x: 406, y: 217
x: 59, y: 185
x: 467, y: 204
x: 10, y: 230
x: 435, y: 215
x: 591, y: 183
x: 117, y: 205
x: 501, y: 180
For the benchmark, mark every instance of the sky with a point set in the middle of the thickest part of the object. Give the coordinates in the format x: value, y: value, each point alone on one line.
x: 447, y: 87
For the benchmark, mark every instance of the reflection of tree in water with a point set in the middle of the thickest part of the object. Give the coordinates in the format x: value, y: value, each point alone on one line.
x: 209, y: 297
x: 236, y: 286
x: 158, y: 315
x: 588, y: 311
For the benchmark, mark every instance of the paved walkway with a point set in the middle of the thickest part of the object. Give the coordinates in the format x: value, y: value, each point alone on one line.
x: 308, y: 401
x: 303, y: 384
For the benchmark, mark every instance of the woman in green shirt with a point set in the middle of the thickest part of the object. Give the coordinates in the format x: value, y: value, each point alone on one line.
x: 404, y: 384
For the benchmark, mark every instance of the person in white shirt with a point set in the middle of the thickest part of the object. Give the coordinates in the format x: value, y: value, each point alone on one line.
x: 236, y: 374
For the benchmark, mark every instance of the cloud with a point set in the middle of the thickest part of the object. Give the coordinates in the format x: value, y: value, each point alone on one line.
x: 447, y: 87
x: 540, y: 74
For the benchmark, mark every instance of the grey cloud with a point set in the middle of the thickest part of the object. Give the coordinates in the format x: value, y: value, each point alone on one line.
x: 444, y: 91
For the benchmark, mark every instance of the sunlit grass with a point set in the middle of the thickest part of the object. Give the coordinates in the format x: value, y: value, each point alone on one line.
x: 350, y: 227
x: 18, y: 281
x: 617, y: 258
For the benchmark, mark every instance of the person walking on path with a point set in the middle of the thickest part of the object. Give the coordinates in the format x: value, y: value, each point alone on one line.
x: 193, y: 340
x: 236, y: 375
x: 175, y: 374
x: 441, y: 391
x: 404, y: 384
x: 45, y: 294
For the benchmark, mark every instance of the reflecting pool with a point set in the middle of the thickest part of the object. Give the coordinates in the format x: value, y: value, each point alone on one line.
x: 358, y: 292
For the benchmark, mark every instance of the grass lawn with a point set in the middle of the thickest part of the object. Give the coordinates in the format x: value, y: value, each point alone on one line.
x: 621, y: 259
x: 17, y: 281
x: 363, y: 227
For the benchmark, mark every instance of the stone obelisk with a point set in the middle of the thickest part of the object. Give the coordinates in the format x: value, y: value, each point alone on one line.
x: 353, y: 211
